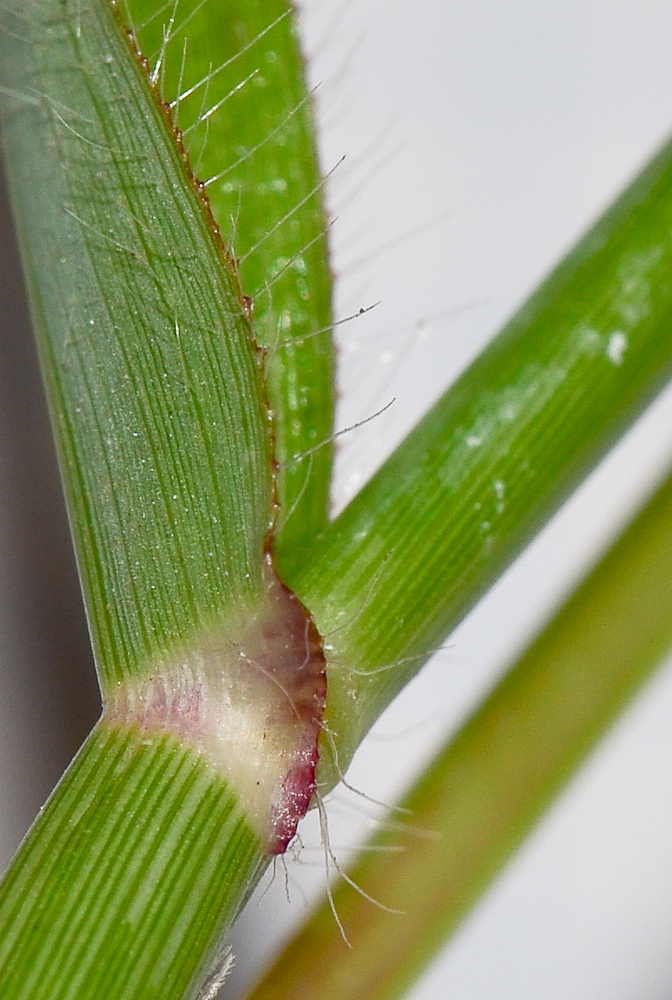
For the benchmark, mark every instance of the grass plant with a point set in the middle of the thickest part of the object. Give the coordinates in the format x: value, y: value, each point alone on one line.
x: 170, y: 210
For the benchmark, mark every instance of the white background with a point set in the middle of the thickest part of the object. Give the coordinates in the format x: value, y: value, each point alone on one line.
x: 480, y: 140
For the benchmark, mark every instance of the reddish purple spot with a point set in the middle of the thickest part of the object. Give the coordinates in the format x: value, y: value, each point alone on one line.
x: 294, y: 658
x: 292, y: 804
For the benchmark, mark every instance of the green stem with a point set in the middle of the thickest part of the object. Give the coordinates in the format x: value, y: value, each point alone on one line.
x: 495, y: 457
x: 128, y: 879
x: 484, y: 792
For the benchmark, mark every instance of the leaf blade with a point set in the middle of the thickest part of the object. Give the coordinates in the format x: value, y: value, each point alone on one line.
x: 495, y: 457
x: 133, y: 298
x: 247, y: 123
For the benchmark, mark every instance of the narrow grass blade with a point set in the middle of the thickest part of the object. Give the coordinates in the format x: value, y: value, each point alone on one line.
x: 234, y: 76
x: 483, y: 793
x: 155, y: 386
x: 495, y: 457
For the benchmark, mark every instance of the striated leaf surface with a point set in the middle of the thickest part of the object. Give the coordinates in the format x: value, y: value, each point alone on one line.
x: 154, y: 382
x: 233, y: 74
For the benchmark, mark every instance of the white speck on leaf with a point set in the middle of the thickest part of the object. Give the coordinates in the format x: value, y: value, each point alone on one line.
x: 499, y: 486
x: 617, y: 345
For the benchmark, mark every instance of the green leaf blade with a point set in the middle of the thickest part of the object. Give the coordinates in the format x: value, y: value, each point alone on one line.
x: 247, y: 123
x: 155, y: 384
x: 495, y: 457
